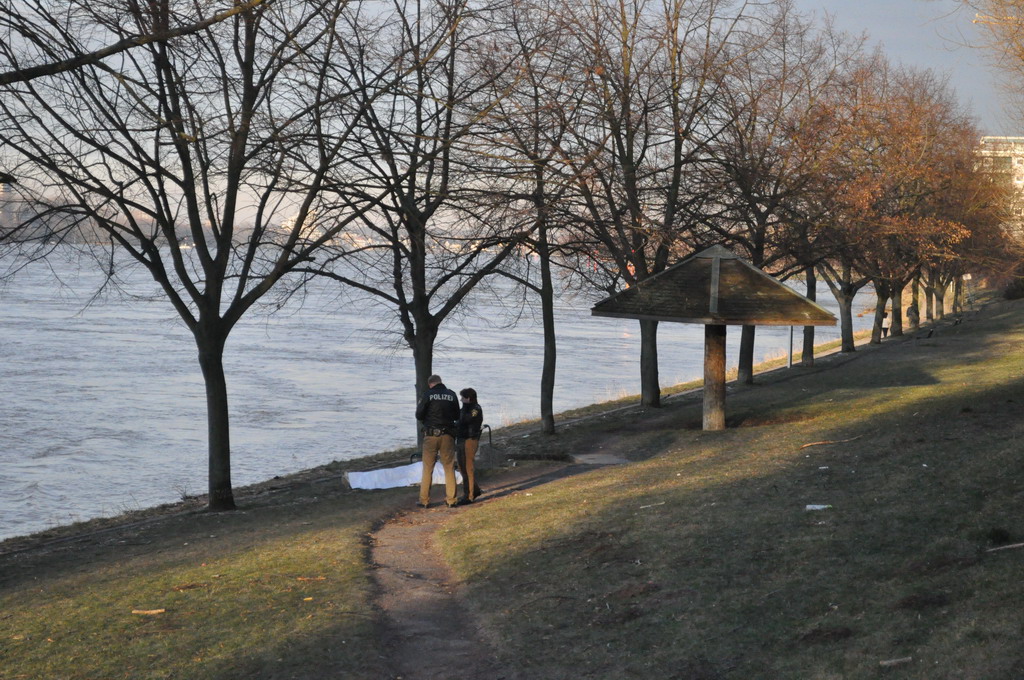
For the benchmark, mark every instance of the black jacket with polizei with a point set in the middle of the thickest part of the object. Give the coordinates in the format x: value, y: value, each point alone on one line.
x: 471, y: 422
x: 438, y: 408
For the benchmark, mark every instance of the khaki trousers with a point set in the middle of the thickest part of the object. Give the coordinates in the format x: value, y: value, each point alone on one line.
x: 467, y: 454
x: 432, y: 446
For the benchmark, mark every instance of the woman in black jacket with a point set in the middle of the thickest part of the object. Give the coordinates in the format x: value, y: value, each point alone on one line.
x: 467, y: 442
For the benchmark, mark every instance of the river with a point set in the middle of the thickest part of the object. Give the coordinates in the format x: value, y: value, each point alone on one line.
x: 104, y: 407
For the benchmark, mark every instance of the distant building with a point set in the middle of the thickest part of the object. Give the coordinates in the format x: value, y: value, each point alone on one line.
x: 1004, y: 156
x: 1003, y: 159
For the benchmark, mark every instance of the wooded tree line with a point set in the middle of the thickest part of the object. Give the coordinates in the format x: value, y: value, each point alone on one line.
x: 412, y: 150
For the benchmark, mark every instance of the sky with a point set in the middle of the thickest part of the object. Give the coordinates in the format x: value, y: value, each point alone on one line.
x: 930, y: 34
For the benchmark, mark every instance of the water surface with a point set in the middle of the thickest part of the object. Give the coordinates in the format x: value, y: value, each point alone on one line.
x: 104, y: 407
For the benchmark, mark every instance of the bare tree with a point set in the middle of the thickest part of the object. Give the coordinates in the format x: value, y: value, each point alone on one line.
x: 533, y: 111
x: 647, y: 78
x: 182, y: 156
x: 424, y: 248
x: 771, y: 152
x: 38, y: 35
x: 1002, y: 36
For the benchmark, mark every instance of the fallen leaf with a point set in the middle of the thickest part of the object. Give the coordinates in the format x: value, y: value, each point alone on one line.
x: 148, y: 612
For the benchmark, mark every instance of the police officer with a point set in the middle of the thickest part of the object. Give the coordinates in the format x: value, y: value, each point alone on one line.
x: 467, y: 440
x: 438, y: 410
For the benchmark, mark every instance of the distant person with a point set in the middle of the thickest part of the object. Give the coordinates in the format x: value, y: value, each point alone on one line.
x: 885, y: 324
x: 467, y: 442
x: 438, y: 411
x: 913, y: 315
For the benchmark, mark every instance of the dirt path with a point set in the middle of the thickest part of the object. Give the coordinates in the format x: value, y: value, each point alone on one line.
x: 430, y: 631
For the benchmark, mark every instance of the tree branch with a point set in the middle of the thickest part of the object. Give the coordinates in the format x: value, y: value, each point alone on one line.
x: 22, y: 75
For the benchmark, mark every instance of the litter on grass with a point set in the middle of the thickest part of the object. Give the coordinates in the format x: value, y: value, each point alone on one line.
x: 390, y: 478
x: 888, y: 663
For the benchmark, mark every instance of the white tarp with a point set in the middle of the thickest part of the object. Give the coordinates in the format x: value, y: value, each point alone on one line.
x: 389, y: 478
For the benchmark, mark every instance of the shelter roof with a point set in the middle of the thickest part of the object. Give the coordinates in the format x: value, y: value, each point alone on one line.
x: 717, y: 287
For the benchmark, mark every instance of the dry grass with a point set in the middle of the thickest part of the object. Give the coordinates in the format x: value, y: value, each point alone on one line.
x: 280, y: 590
x: 697, y: 561
x: 701, y: 561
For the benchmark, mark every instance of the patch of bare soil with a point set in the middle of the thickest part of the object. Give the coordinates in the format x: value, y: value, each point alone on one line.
x: 431, y: 631
x: 428, y: 627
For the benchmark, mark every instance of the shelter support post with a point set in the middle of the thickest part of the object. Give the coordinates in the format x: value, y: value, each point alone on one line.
x: 714, y: 377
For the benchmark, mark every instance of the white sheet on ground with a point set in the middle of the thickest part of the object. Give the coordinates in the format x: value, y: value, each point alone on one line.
x: 389, y: 478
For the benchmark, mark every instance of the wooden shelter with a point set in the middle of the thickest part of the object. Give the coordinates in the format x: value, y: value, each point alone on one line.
x: 715, y: 288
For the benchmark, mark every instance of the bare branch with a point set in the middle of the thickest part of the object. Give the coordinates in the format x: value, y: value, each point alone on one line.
x: 21, y: 75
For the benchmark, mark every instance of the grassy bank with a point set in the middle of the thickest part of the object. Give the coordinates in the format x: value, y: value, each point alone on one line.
x: 280, y: 589
x: 699, y: 560
x: 702, y: 560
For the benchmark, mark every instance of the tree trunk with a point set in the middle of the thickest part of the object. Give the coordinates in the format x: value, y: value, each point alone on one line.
x: 844, y: 290
x: 807, y: 356
x: 650, y: 390
x: 845, y: 302
x: 915, y: 301
x: 935, y: 297
x: 939, y: 292
x: 881, y: 300
x: 958, y: 295
x: 714, y: 377
x: 929, y: 298
x: 423, y: 360
x: 745, y: 370
x: 210, y: 344
x: 896, y: 328
x: 547, y: 298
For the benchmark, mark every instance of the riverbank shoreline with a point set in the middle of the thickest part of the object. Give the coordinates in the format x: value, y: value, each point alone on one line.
x: 317, y: 381
x: 335, y: 471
